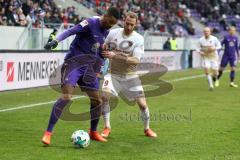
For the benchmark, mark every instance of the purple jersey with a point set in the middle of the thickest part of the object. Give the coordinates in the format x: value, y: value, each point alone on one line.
x: 85, y: 50
x: 89, y: 38
x: 231, y: 45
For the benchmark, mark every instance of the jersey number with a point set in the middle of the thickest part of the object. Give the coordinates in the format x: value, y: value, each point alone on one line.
x: 106, y: 83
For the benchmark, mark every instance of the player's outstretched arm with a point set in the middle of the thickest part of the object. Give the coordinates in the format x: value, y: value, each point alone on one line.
x: 81, y: 27
x: 237, y: 49
x: 200, y: 49
x: 218, y: 45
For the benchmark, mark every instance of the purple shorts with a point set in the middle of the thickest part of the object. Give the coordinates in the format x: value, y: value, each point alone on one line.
x: 79, y: 76
x: 228, y: 59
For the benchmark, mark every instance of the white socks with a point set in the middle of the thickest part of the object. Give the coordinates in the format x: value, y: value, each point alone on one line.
x: 145, y: 118
x: 210, y: 81
x: 106, y: 114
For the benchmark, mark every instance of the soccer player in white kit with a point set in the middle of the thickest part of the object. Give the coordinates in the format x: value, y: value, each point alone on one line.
x: 127, y: 49
x: 208, y: 47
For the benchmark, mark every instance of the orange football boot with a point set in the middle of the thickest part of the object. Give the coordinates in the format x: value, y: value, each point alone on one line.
x: 46, y: 139
x: 106, y: 132
x: 150, y: 133
x: 94, y: 135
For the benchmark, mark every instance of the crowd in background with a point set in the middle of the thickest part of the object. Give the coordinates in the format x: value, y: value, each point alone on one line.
x: 158, y: 16
x: 214, y: 9
x: 21, y: 12
x: 224, y: 12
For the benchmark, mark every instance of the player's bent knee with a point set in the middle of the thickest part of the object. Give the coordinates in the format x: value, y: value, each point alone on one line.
x: 143, y: 107
x: 96, y: 102
x: 105, y: 99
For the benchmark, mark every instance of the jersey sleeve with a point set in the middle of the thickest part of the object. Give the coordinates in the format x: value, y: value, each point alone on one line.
x: 112, y: 33
x: 236, y: 46
x: 139, y: 48
x: 109, y: 37
x: 77, y: 29
x: 218, y: 44
x: 198, y: 49
x: 223, y: 41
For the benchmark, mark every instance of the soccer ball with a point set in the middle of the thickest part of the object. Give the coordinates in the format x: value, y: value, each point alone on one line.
x: 80, y: 139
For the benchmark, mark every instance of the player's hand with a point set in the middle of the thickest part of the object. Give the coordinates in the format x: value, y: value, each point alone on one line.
x: 105, y: 47
x: 211, y: 49
x: 108, y: 54
x: 51, y: 45
x: 202, y: 53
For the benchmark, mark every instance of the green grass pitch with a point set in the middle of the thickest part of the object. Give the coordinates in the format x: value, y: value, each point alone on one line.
x: 192, y: 123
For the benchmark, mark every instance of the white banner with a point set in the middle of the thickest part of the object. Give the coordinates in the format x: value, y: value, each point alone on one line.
x: 170, y: 59
x: 196, y: 60
x: 27, y: 70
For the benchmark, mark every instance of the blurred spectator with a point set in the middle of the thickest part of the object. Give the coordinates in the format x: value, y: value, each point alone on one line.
x: 173, y: 43
x: 20, y: 17
x: 10, y: 16
x: 52, y: 35
x: 55, y: 18
x: 37, y: 24
x: 26, y: 7
x: 217, y: 14
x: 3, y: 20
x: 160, y: 16
x: 20, y: 12
x: 167, y: 45
x: 47, y: 17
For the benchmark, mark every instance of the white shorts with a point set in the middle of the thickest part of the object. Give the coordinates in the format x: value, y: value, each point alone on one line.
x: 210, y: 63
x: 130, y: 88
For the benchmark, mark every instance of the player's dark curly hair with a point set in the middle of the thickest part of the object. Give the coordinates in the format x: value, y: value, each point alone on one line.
x: 113, y: 11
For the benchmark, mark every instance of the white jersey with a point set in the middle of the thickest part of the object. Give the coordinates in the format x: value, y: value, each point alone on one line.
x: 130, y: 46
x: 123, y: 77
x: 204, y: 43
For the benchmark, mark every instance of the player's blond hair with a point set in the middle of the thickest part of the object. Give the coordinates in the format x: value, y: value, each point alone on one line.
x: 132, y: 15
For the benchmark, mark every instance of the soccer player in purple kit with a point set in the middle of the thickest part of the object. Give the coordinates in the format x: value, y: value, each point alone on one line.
x: 87, y: 46
x: 230, y: 55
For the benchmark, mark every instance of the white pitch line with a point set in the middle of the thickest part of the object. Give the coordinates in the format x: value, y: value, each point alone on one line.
x: 33, y: 105
x: 51, y: 102
x: 192, y: 77
x: 186, y: 78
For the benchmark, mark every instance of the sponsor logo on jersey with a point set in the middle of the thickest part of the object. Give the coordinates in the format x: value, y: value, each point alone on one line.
x: 126, y: 44
x: 111, y: 46
x: 84, y: 23
x: 231, y: 44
